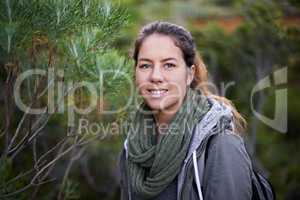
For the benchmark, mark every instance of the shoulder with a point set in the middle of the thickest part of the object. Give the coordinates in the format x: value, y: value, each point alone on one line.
x: 218, y: 121
x: 219, y: 116
x: 228, y: 147
x: 228, y: 169
x: 227, y: 138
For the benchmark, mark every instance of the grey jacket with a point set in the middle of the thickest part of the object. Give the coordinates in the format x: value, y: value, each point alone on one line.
x: 227, y: 171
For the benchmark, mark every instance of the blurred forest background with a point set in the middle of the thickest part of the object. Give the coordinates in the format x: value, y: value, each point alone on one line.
x: 45, y: 156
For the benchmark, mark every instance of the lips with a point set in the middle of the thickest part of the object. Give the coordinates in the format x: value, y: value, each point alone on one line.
x: 156, y: 93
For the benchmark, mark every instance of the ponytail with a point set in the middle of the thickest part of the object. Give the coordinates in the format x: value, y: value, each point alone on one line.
x: 201, y: 82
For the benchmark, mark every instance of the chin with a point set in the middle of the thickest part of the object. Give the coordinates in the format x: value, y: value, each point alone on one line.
x: 153, y: 105
x: 160, y: 105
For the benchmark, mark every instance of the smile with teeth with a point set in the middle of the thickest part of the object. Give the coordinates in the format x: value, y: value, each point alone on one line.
x: 157, y: 92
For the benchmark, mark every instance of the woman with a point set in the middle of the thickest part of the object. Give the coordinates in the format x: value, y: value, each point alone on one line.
x: 163, y: 155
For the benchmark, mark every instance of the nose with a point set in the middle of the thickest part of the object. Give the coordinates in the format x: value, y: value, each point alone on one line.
x: 156, y: 75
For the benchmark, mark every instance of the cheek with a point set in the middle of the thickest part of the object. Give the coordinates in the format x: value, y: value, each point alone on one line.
x: 138, y: 78
x: 179, y: 81
x: 140, y: 82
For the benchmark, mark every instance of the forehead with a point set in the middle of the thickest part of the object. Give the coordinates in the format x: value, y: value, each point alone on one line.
x: 157, y: 46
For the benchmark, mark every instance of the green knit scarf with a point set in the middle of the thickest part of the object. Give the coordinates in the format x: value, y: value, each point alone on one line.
x: 152, y: 166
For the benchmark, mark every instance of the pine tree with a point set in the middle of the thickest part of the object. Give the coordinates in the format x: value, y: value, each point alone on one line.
x: 61, y: 41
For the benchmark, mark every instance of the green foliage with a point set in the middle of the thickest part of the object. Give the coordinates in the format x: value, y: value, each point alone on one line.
x: 23, y: 19
x: 7, y: 173
x: 72, y: 38
x: 5, y: 169
x: 71, y: 190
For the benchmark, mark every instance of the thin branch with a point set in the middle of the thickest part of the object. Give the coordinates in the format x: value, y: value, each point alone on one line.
x: 24, y: 117
x: 74, y: 157
x: 20, y: 176
x: 60, y: 143
x: 17, y: 191
x: 21, y: 145
x: 26, y: 187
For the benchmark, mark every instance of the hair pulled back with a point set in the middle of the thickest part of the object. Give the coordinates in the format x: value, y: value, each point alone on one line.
x: 184, y: 40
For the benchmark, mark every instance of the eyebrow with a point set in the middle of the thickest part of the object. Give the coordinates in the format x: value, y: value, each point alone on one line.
x: 163, y: 60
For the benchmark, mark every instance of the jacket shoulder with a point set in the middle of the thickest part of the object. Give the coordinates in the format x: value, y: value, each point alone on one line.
x: 228, y: 168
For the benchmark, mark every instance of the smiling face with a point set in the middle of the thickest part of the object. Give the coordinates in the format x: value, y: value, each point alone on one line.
x: 161, y: 74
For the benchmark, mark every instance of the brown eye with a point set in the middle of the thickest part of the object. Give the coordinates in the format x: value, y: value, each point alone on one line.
x: 144, y: 66
x: 169, y: 65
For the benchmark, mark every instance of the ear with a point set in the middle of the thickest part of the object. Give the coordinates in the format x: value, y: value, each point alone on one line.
x: 190, y: 74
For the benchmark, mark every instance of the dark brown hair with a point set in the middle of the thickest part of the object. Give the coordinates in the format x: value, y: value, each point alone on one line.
x: 184, y: 40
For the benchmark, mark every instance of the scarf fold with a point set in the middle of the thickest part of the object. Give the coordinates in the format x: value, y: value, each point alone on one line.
x: 152, y: 165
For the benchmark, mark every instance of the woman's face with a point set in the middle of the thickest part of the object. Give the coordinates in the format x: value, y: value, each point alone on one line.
x: 161, y: 74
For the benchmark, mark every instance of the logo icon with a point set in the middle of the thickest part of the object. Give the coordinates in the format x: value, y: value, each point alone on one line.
x: 279, y: 122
